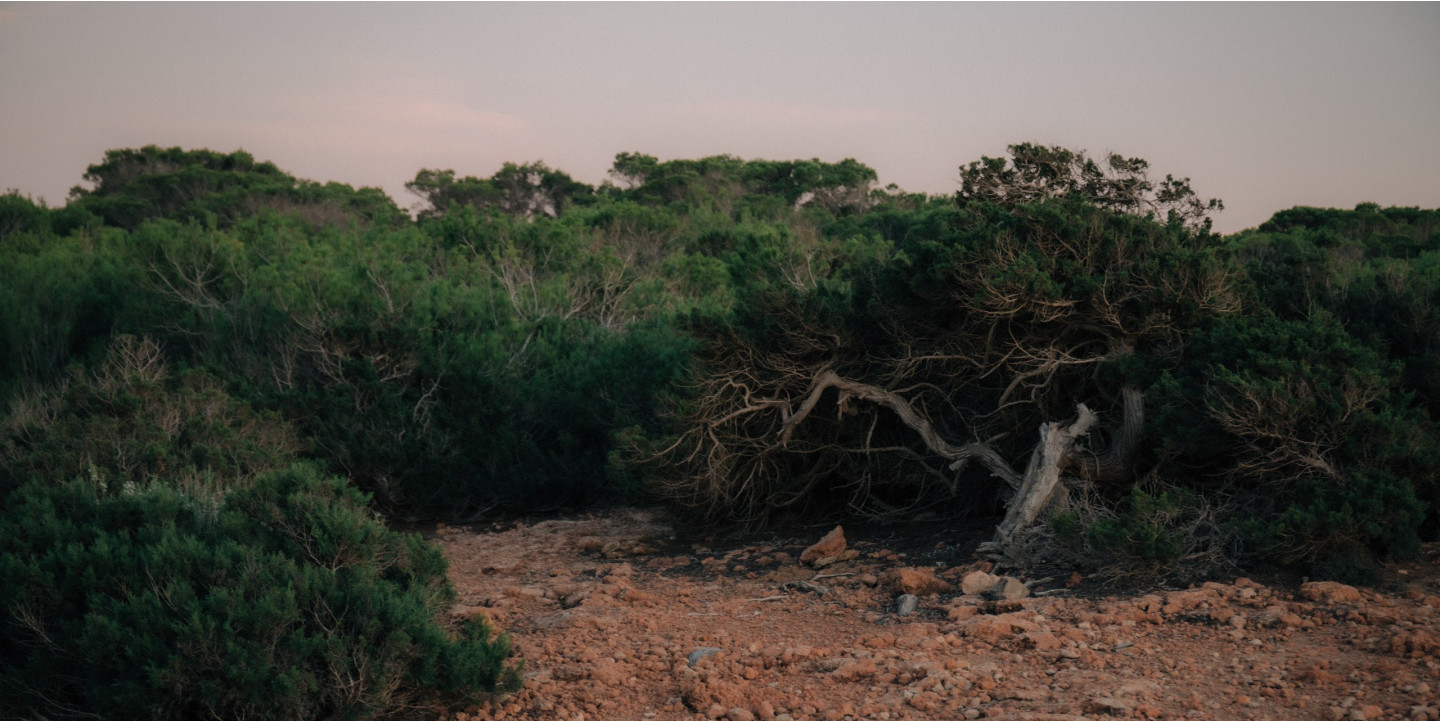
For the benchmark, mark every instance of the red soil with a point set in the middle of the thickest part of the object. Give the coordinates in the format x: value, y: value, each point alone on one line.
x: 607, y: 610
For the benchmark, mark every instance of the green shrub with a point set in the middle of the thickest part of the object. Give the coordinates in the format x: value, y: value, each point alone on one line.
x: 132, y: 421
x: 1305, y: 423
x: 288, y: 601
x: 1148, y: 528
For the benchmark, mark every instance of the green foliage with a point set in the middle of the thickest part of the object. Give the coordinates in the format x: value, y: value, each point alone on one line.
x: 60, y: 299
x: 1036, y: 172
x: 1148, y: 528
x: 133, y: 422
x: 19, y: 214
x: 288, y: 601
x: 521, y: 190
x: 504, y: 350
x: 133, y: 186
x: 1310, y: 425
x: 737, y: 187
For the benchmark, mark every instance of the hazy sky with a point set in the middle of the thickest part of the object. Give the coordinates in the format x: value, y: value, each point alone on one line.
x: 1266, y: 106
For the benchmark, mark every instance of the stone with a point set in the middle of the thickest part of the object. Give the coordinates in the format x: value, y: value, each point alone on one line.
x: 1042, y: 640
x: 830, y: 545
x: 855, y: 669
x: 978, y: 583
x: 1009, y: 588
x: 920, y: 582
x: 1331, y: 593
x: 1106, y: 704
x: 1026, y: 694
x: 905, y: 604
x: 700, y: 654
x: 1270, y: 616
x: 1150, y: 603
x: 740, y: 714
x: 961, y: 612
x: 610, y: 674
x: 1138, y: 688
x: 993, y: 628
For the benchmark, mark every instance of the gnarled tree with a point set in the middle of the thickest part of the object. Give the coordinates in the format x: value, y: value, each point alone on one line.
x: 922, y: 378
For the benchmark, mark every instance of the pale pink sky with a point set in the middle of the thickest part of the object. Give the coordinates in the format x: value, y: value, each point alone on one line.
x: 1264, y: 105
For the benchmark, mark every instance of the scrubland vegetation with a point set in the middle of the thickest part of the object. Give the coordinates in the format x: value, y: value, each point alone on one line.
x: 217, y: 379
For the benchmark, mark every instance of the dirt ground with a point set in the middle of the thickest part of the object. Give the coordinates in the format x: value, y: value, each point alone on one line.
x: 619, y: 617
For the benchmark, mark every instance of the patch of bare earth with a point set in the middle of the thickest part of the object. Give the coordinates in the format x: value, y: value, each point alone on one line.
x: 616, y: 620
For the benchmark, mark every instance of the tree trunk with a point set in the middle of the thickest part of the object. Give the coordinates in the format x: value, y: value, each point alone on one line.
x: 959, y: 456
x: 1116, y: 464
x: 1041, y: 483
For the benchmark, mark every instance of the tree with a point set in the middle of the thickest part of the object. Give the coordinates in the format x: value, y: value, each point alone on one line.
x: 527, y: 191
x: 729, y: 183
x: 132, y: 186
x: 1028, y: 307
x: 1037, y: 172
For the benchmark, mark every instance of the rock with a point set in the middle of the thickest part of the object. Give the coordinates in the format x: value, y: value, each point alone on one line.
x: 1026, y: 694
x: 830, y: 545
x: 993, y: 628
x: 855, y: 669
x: 700, y: 654
x: 1106, y: 704
x: 640, y: 598
x: 1150, y: 603
x: 619, y: 571
x: 905, y: 605
x: 1331, y: 593
x: 1042, y: 640
x: 1009, y: 588
x: 1138, y: 688
x: 740, y: 714
x: 1269, y: 616
x: 961, y: 612
x: 1184, y: 601
x: 978, y: 583
x: 920, y: 582
x: 610, y: 674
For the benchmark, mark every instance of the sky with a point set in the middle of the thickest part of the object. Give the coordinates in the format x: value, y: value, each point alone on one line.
x: 1266, y: 106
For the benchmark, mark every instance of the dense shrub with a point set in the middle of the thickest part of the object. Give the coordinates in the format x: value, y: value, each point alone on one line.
x: 132, y: 421
x: 1313, y: 429
x: 524, y: 340
x: 288, y: 601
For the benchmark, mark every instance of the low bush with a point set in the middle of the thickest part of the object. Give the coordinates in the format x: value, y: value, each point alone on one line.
x: 288, y: 601
x: 132, y: 421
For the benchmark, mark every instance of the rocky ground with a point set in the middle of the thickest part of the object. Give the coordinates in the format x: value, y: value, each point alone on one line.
x: 617, y: 617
